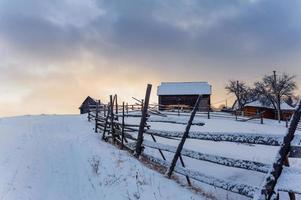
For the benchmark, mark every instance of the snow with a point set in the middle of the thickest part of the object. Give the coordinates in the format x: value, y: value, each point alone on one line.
x: 60, y: 157
x: 212, y: 153
x: 184, y: 88
x: 225, y: 184
x: 283, y: 105
x: 244, y: 164
x: 289, y: 180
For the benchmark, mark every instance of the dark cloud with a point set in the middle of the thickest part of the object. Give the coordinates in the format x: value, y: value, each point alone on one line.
x: 198, y: 28
x: 174, y: 40
x: 39, y: 38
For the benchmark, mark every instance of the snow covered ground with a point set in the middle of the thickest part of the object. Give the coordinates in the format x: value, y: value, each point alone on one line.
x: 258, y: 153
x: 60, y: 157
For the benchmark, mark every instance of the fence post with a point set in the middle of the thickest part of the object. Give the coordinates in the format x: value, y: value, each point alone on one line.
x: 184, y: 137
x: 116, y: 105
x: 272, y: 177
x: 96, y: 115
x: 127, y: 108
x: 160, y: 151
x: 112, y: 118
x: 143, y: 121
x: 291, y: 195
x: 89, y: 114
x: 104, y: 110
x: 142, y: 102
x: 183, y: 165
x: 122, y: 128
x: 209, y: 107
x: 261, y: 118
x: 106, y: 124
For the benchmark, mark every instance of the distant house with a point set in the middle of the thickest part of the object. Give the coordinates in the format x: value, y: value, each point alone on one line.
x: 269, y: 112
x: 183, y: 95
x: 84, y: 108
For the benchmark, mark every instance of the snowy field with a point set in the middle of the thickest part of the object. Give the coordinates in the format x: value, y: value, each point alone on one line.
x: 259, y: 153
x: 60, y: 157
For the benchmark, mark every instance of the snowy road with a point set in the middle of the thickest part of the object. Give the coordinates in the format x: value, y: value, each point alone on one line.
x: 59, y: 157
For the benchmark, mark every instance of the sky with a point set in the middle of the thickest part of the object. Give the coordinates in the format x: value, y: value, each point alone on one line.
x: 54, y: 53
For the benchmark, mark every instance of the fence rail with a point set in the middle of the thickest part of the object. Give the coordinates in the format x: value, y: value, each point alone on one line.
x: 229, y: 162
x: 111, y: 122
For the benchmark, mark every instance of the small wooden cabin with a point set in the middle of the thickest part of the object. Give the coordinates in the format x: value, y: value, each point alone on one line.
x: 89, y: 101
x: 184, y: 95
x: 269, y: 112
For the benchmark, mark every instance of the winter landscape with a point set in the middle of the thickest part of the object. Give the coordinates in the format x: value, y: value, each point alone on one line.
x: 61, y: 157
x: 150, y: 100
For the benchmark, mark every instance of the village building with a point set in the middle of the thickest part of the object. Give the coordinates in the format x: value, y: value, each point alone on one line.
x: 183, y: 95
x: 256, y: 107
x: 89, y: 101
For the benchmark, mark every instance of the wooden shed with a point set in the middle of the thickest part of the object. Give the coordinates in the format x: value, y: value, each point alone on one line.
x: 184, y: 95
x: 269, y: 112
x: 89, y: 101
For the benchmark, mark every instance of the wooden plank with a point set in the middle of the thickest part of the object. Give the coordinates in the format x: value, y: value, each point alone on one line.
x: 151, y: 110
x: 184, y: 137
x: 89, y: 112
x: 126, y: 135
x: 96, y: 115
x: 175, y: 122
x: 131, y: 115
x: 160, y: 151
x: 183, y: 165
x: 122, y: 127
x: 112, y: 118
x: 249, y: 138
x: 229, y: 162
x: 291, y: 195
x: 143, y: 121
x: 106, y: 124
x: 242, y: 189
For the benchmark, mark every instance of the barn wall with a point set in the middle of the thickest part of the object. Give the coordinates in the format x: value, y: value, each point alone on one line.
x: 269, y: 113
x: 251, y: 111
x: 85, y: 105
x: 182, y: 100
x: 287, y: 114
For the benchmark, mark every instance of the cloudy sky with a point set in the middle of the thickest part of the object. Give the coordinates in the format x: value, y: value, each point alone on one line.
x: 53, y: 53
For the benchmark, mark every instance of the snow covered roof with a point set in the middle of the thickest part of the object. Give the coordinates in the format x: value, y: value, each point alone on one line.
x: 184, y: 88
x: 89, y: 100
x: 283, y: 106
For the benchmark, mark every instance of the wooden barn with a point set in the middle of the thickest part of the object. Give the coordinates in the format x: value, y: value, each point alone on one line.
x: 84, y: 108
x: 269, y: 112
x: 172, y: 95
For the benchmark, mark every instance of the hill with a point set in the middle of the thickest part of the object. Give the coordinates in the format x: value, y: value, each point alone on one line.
x: 59, y: 157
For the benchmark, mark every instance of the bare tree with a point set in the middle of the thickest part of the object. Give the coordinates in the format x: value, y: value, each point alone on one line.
x: 244, y: 94
x: 273, y: 90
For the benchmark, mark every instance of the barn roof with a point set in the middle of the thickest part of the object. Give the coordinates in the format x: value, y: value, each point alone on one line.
x: 184, y: 88
x: 89, y: 99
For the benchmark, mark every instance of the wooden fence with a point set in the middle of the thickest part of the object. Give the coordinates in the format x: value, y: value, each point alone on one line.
x: 111, y: 122
x: 182, y: 110
x: 238, y: 116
